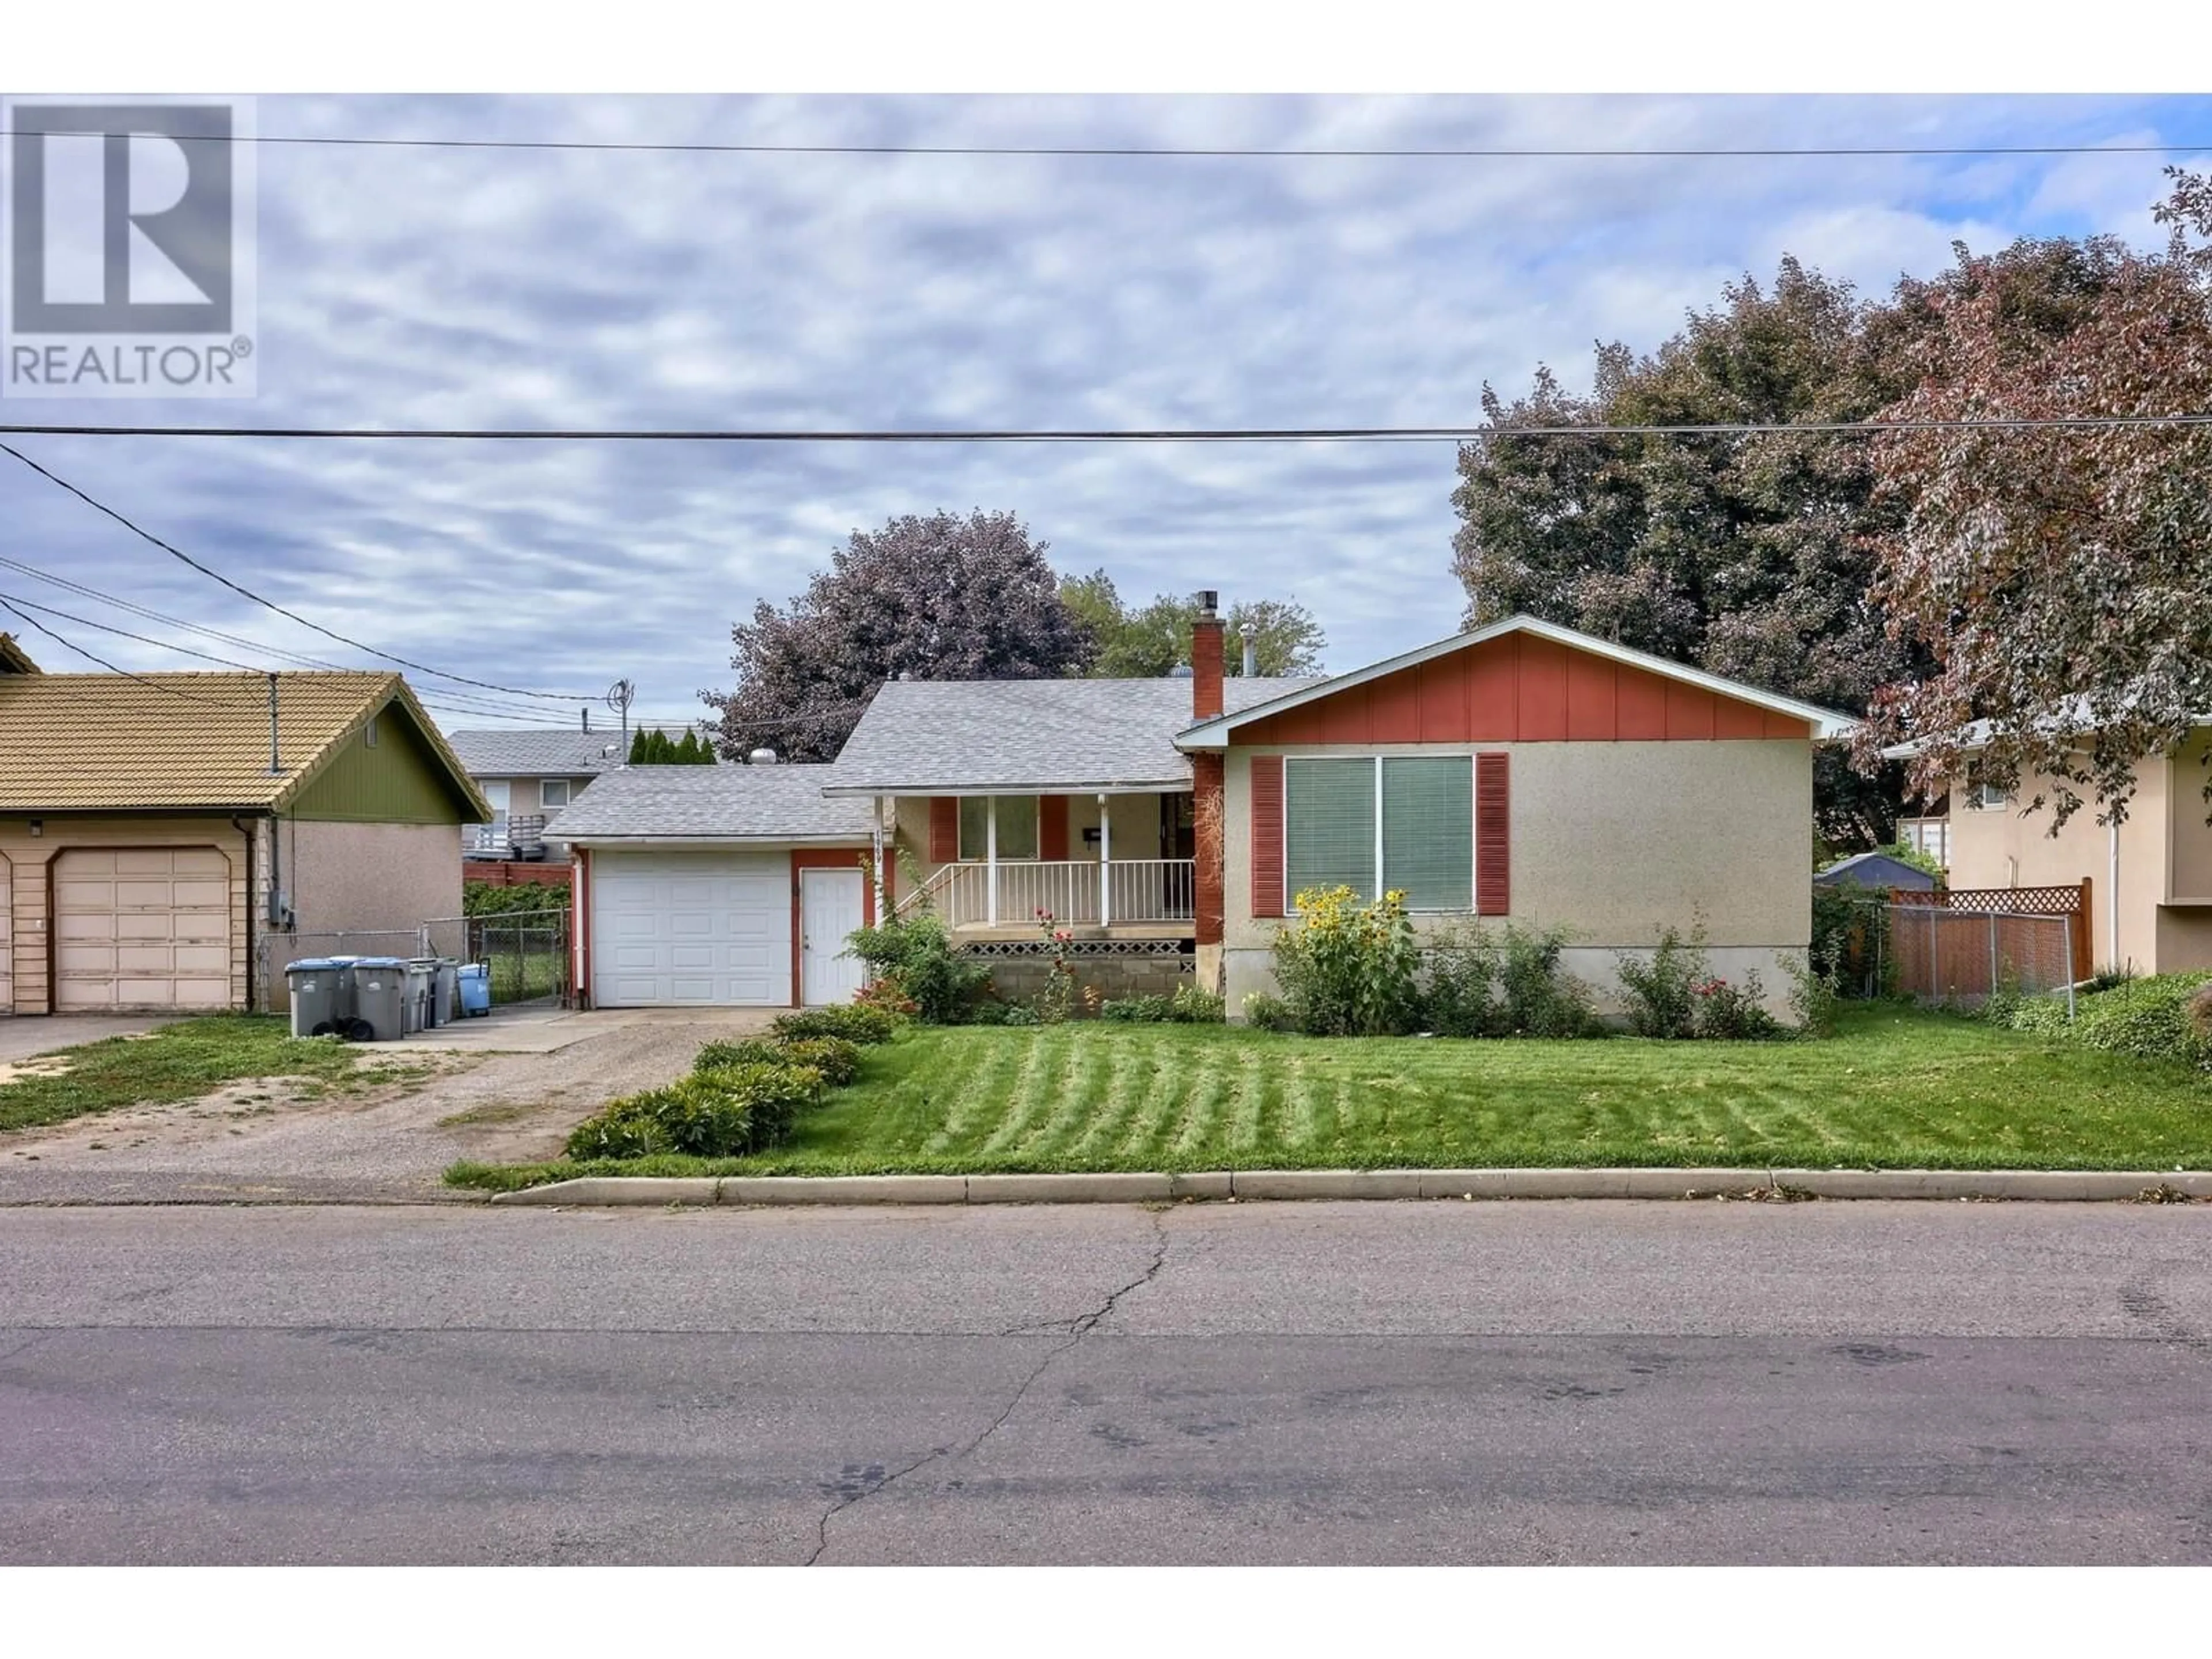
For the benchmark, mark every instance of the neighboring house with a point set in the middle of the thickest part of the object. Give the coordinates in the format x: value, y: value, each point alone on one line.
x: 529, y: 779
x: 163, y: 836
x: 2150, y: 876
x: 1877, y: 870
x: 1522, y: 772
x: 718, y: 885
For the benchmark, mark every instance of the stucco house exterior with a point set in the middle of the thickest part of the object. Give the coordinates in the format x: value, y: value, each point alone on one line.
x: 2150, y: 876
x: 1522, y: 772
x: 164, y: 837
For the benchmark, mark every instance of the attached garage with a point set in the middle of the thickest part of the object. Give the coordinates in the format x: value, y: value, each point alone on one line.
x: 142, y: 928
x: 711, y: 929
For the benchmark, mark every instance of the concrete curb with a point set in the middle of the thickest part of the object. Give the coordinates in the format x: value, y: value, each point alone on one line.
x: 2071, y: 1186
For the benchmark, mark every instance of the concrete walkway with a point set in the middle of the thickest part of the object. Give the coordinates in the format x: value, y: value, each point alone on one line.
x: 22, y: 1036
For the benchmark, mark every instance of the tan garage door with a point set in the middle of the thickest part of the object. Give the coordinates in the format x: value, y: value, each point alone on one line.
x: 141, y: 929
x: 7, y: 938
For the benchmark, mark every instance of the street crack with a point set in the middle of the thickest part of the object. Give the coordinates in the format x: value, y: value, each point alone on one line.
x: 850, y: 1491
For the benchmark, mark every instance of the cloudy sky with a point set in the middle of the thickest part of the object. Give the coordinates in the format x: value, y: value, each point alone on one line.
x: 527, y: 288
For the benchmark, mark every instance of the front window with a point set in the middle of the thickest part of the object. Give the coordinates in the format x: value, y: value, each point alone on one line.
x: 1982, y: 796
x: 1018, y: 827
x: 1378, y: 822
x: 553, y: 794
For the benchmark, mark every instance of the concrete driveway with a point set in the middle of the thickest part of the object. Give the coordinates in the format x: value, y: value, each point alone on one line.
x: 497, y: 1090
x: 22, y: 1036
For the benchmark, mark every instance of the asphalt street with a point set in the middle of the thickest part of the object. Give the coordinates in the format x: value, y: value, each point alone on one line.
x: 1559, y: 1381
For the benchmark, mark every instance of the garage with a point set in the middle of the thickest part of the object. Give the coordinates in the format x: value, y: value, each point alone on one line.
x: 142, y: 928
x: 675, y: 928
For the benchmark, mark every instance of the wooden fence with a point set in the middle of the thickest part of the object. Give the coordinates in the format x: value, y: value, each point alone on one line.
x: 2071, y: 900
x: 510, y: 872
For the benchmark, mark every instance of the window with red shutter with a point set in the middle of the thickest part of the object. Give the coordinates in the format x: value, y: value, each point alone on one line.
x: 1493, y: 885
x: 1266, y: 835
x: 943, y: 828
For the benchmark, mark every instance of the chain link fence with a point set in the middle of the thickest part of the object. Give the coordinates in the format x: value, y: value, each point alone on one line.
x: 525, y: 952
x: 1963, y: 958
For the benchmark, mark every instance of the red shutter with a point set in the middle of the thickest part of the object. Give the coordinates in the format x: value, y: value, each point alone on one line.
x: 943, y: 828
x: 1493, y: 885
x: 1266, y: 835
x: 1052, y: 827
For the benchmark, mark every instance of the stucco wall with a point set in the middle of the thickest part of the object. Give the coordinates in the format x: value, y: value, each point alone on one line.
x: 1613, y: 841
x: 355, y: 877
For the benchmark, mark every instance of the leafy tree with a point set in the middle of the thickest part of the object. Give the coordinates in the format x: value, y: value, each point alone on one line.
x: 2062, y: 577
x: 640, y: 745
x: 1741, y: 553
x: 938, y: 598
x: 1149, y: 641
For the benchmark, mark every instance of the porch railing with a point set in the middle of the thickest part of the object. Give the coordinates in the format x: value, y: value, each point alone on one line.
x: 1079, y: 893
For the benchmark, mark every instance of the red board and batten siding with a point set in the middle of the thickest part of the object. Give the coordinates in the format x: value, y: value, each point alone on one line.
x: 1266, y: 835
x: 1521, y: 689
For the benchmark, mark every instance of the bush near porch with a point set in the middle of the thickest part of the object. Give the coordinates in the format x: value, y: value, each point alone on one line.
x: 1894, y: 1087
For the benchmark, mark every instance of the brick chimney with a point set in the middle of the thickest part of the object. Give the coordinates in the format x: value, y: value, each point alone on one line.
x: 1206, y: 658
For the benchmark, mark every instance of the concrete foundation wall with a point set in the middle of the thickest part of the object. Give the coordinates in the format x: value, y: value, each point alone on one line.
x: 1020, y: 979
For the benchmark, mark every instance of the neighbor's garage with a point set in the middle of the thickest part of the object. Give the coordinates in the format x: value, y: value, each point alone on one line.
x: 675, y: 928
x: 142, y: 928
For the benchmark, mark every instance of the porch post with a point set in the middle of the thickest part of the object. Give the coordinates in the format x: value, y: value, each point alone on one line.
x: 876, y: 859
x: 1105, y: 863
x: 991, y: 861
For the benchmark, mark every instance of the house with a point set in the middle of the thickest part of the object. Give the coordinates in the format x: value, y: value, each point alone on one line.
x: 167, y: 841
x: 529, y: 779
x: 1877, y: 870
x: 2150, y: 876
x: 1521, y: 772
x: 718, y: 885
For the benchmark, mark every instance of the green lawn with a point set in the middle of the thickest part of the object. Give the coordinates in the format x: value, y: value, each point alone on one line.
x: 182, y: 1061
x: 1894, y: 1087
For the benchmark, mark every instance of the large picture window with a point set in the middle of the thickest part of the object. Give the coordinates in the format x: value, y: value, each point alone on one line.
x: 1376, y: 823
x: 1018, y: 827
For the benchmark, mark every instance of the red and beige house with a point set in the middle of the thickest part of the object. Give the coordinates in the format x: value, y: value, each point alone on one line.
x: 1521, y: 773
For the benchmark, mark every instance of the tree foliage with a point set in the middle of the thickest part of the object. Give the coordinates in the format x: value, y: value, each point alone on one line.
x: 651, y: 746
x: 1741, y: 553
x: 2062, y: 577
x: 1149, y: 641
x: 936, y: 597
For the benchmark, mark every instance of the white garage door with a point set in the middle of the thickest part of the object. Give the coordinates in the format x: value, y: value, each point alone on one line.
x: 141, y: 929
x: 670, y: 928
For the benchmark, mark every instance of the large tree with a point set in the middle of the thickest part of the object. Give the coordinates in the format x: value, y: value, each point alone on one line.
x: 936, y: 597
x: 2062, y: 576
x: 1148, y: 640
x: 1741, y: 553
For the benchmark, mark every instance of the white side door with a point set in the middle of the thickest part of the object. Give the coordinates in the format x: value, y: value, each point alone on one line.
x: 829, y: 913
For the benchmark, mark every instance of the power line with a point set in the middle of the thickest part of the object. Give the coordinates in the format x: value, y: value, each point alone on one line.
x: 1056, y: 435
x: 69, y: 645
x: 1253, y: 152
x: 246, y: 592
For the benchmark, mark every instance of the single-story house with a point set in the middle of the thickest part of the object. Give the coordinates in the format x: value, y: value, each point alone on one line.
x: 1882, y: 870
x: 1521, y: 772
x: 2150, y: 876
x: 167, y: 839
x: 730, y: 885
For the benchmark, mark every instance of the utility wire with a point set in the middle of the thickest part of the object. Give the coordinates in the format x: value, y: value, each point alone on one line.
x: 246, y: 592
x: 1062, y: 434
x: 69, y: 645
x: 1258, y: 152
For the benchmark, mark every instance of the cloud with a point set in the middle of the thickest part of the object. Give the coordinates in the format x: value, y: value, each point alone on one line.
x: 550, y: 288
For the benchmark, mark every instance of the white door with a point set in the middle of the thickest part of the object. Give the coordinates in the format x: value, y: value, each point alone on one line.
x: 141, y: 929
x: 829, y: 913
x: 706, y: 928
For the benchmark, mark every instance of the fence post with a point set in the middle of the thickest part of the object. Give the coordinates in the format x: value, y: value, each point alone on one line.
x: 1934, y: 945
x: 1993, y: 953
x: 2070, y: 975
x: 2083, y: 948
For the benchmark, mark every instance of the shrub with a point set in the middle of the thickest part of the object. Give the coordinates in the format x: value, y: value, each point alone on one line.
x: 1020, y: 1013
x: 2199, y: 1008
x: 1461, y: 999
x: 750, y: 1051
x: 2153, y: 1018
x: 1734, y: 1013
x: 990, y: 1012
x: 627, y: 1128
x: 1349, y: 970
x: 1813, y: 995
x: 838, y: 1058
x: 915, y: 959
x: 1850, y: 939
x: 1137, y: 1011
x: 1193, y: 1005
x: 1538, y: 997
x: 1269, y: 1013
x: 851, y: 1022
x: 1663, y: 993
x: 482, y: 898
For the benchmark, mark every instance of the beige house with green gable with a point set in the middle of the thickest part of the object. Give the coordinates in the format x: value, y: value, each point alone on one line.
x: 167, y: 841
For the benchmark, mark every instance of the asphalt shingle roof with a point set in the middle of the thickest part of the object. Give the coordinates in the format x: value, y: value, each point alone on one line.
x: 714, y: 803
x: 90, y: 742
x: 497, y: 754
x: 927, y: 737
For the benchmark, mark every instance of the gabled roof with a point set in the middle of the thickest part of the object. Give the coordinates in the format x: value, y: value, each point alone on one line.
x: 1875, y: 869
x: 1028, y: 737
x: 190, y: 742
x: 513, y: 754
x: 13, y: 659
x: 1214, y: 734
x: 663, y: 803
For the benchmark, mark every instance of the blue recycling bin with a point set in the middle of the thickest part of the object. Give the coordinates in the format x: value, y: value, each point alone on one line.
x: 475, y: 980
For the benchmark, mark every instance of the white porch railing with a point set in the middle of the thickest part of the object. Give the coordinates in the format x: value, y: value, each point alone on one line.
x: 1079, y: 893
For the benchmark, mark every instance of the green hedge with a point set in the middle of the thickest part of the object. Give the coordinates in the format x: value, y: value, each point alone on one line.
x: 2161, y: 1017
x: 740, y: 1098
